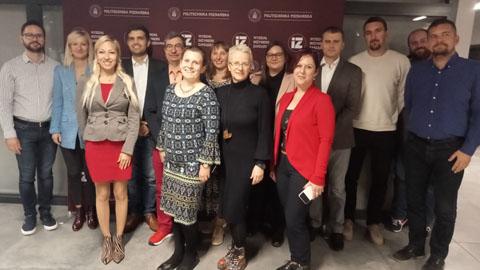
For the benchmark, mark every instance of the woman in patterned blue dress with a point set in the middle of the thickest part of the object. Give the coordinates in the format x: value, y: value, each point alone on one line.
x: 188, y: 146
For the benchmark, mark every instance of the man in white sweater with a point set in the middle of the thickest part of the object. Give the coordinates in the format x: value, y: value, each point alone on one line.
x: 384, y: 72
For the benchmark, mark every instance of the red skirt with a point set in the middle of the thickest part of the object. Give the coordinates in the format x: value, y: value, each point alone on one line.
x: 101, y: 158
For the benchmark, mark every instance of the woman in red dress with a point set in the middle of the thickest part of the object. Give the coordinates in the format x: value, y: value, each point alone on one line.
x: 109, y: 122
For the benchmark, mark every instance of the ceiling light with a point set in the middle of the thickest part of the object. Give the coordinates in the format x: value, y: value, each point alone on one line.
x: 419, y: 18
x: 477, y: 6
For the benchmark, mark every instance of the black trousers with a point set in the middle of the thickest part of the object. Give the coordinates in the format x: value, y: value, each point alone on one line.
x: 81, y: 193
x: 381, y: 146
x: 289, y: 184
x: 426, y: 164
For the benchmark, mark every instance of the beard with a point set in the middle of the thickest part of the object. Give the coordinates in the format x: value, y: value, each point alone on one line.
x: 34, y: 46
x: 375, y: 45
x: 420, y: 53
x: 440, y: 50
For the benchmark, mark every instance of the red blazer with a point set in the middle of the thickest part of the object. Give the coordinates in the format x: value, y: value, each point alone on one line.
x: 310, y: 133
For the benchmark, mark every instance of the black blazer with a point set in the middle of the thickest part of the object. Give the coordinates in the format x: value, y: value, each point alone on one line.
x: 157, y: 82
x: 344, y: 89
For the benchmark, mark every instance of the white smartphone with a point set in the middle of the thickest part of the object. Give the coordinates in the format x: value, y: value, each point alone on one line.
x: 306, y: 195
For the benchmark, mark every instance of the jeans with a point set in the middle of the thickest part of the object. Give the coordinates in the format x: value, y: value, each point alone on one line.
x: 142, y: 186
x: 36, y: 157
x: 426, y: 164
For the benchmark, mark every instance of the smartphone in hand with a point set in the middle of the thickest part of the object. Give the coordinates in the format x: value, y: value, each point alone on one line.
x: 306, y: 195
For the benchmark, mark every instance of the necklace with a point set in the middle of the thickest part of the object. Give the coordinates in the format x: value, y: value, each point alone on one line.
x: 186, y: 91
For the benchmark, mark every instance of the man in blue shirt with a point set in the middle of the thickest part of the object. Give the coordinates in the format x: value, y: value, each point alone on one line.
x: 442, y: 105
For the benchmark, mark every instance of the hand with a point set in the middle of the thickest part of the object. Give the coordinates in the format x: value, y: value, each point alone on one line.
x: 257, y: 175
x: 461, y: 161
x: 124, y: 161
x: 273, y: 175
x: 316, y: 189
x: 204, y: 173
x: 57, y: 138
x: 143, y: 130
x: 162, y: 155
x: 13, y: 144
x: 256, y: 77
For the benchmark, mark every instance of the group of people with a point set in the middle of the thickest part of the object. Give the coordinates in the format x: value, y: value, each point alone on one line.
x: 204, y: 137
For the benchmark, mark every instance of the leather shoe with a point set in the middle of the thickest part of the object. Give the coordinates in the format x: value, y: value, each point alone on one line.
x: 91, y: 216
x: 408, y: 253
x: 335, y: 241
x: 79, y: 219
x: 434, y: 264
x: 171, y: 263
x: 151, y: 221
x: 132, y: 223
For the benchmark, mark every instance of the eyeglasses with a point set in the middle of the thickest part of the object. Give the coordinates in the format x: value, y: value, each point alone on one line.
x: 177, y: 46
x: 274, y: 55
x: 238, y: 64
x: 33, y: 36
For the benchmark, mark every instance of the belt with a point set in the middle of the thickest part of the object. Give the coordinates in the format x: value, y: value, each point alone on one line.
x: 436, y: 141
x: 32, y: 124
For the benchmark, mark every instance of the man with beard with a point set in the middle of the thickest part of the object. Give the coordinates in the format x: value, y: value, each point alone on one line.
x: 443, y: 117
x: 151, y: 79
x: 384, y: 73
x: 417, y: 44
x: 26, y: 92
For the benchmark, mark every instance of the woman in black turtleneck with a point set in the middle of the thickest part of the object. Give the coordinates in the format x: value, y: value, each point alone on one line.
x: 246, y: 129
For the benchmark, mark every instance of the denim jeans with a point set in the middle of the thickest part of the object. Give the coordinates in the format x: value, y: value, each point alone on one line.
x: 427, y: 164
x: 36, y: 157
x: 142, y: 186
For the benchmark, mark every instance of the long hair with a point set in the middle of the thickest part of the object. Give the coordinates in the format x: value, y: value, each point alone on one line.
x: 77, y: 33
x: 94, y: 80
x: 211, y: 69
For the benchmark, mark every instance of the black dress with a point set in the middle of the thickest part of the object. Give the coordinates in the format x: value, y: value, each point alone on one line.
x: 246, y: 116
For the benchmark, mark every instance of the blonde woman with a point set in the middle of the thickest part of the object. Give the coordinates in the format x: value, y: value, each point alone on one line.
x: 109, y: 121
x: 64, y: 126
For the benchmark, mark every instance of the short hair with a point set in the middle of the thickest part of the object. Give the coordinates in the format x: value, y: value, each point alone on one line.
x: 76, y: 33
x: 144, y: 29
x: 172, y: 35
x: 413, y: 32
x: 438, y: 22
x: 375, y: 19
x: 306, y: 52
x: 241, y: 48
x: 197, y: 50
x: 333, y: 30
x: 284, y: 50
x: 30, y: 23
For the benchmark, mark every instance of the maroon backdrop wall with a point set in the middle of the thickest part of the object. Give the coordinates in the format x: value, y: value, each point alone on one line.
x: 295, y: 23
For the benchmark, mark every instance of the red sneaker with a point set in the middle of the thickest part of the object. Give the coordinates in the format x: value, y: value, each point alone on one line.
x: 158, y: 237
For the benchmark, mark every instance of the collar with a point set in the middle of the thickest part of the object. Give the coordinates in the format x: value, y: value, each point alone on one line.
x: 172, y: 69
x: 26, y: 59
x: 144, y: 61
x: 241, y: 84
x: 451, y: 62
x: 332, y: 65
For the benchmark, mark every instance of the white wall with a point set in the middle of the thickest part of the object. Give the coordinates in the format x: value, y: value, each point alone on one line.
x: 476, y: 29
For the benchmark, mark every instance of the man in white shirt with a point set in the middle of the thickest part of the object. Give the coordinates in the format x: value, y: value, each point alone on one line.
x: 381, y: 101
x: 342, y: 81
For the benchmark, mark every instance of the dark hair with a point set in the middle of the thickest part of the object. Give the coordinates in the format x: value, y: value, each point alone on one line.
x: 333, y: 30
x: 197, y: 50
x: 211, y: 70
x: 413, y: 32
x: 172, y: 35
x: 143, y: 28
x: 306, y: 52
x: 375, y: 19
x: 32, y: 22
x: 284, y: 50
x: 438, y: 22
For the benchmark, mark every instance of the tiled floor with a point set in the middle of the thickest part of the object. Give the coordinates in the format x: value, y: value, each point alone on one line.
x: 64, y: 249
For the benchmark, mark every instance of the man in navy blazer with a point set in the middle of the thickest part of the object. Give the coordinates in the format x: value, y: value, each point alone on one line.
x: 151, y: 79
x: 343, y: 82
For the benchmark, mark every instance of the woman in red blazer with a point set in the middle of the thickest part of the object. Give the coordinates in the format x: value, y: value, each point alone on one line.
x: 304, y: 129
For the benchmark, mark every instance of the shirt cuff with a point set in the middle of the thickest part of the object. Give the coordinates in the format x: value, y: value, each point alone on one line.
x: 8, y: 134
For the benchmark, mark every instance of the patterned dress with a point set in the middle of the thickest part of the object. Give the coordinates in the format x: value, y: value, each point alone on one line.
x: 189, y: 131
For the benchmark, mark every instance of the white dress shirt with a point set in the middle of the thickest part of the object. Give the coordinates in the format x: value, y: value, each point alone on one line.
x: 140, y: 75
x: 327, y: 73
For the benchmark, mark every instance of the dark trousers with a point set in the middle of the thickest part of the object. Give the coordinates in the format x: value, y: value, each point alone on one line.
x: 289, y: 184
x: 381, y: 146
x: 81, y: 193
x: 426, y: 164
x: 36, y: 157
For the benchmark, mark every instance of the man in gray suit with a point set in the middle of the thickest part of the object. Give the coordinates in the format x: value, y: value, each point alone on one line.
x: 343, y: 82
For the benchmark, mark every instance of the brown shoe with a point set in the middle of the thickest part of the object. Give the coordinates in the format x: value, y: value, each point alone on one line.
x: 91, y: 216
x: 374, y: 234
x: 107, y: 250
x: 133, y: 220
x: 151, y: 221
x: 79, y: 219
x: 118, y: 249
x: 218, y: 232
x: 348, y: 229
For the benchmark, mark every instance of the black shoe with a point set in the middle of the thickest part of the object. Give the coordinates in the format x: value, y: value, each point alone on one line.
x: 408, y: 253
x: 335, y: 241
x: 170, y: 264
x: 278, y: 238
x: 188, y: 262
x: 29, y: 225
x: 434, y: 264
x: 49, y: 223
x: 291, y: 265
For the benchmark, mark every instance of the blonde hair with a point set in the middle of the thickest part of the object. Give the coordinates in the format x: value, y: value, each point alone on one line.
x: 77, y: 33
x: 241, y: 48
x: 94, y: 80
